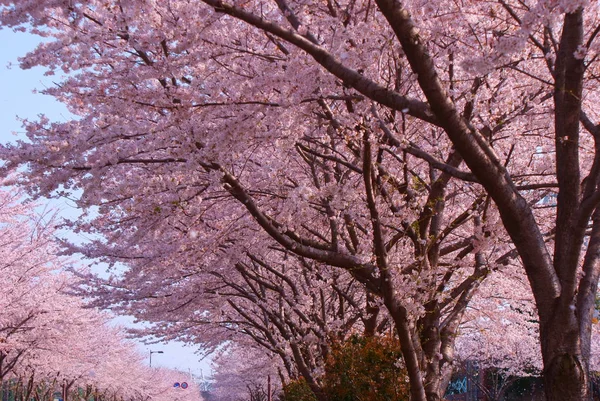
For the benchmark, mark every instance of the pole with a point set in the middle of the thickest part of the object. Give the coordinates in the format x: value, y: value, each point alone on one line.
x: 154, y: 352
x: 269, y: 398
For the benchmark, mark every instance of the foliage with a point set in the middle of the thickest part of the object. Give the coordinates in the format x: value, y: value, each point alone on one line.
x: 242, y: 373
x: 367, y: 369
x: 360, y: 368
x: 298, y: 390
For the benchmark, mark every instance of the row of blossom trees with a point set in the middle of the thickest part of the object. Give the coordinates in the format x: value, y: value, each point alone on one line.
x: 230, y: 151
x: 51, y: 345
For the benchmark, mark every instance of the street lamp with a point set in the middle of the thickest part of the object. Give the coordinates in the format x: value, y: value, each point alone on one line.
x: 154, y: 352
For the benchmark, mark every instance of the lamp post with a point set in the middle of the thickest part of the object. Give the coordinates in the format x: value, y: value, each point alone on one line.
x: 154, y: 352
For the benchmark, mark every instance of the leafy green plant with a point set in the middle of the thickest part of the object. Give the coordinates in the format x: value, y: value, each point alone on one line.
x: 366, y: 369
x: 298, y: 390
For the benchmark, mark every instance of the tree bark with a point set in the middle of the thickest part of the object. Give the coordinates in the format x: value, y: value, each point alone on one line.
x: 566, y: 358
x: 566, y: 379
x: 411, y: 355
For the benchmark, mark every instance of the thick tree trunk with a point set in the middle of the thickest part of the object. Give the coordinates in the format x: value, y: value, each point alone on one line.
x: 566, y: 358
x: 566, y: 378
x: 435, y: 382
x: 438, y: 370
x: 437, y: 373
x: 566, y: 364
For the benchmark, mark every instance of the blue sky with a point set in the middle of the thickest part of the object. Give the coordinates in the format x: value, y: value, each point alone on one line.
x: 17, y: 98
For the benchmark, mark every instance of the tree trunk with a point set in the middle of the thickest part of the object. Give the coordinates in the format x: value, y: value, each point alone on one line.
x: 431, y: 342
x: 372, y: 313
x: 566, y: 379
x: 29, y: 389
x: 566, y: 365
x: 428, y: 380
x: 410, y: 354
x: 566, y: 358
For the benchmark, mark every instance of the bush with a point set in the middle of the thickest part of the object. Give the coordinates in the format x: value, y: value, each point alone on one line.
x: 359, y: 369
x: 366, y: 369
x: 298, y: 390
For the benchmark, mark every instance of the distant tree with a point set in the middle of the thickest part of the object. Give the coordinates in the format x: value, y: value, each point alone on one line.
x: 242, y: 374
x: 289, y: 307
x: 49, y: 340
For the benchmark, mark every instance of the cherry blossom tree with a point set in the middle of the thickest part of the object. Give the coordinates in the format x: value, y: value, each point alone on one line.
x: 95, y: 358
x: 332, y: 200
x: 29, y: 281
x: 396, y: 140
x: 49, y: 340
x: 500, y: 333
x: 241, y: 373
x: 290, y: 307
x: 317, y: 200
x: 500, y: 328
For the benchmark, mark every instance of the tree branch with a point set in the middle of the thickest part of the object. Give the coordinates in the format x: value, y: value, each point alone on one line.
x: 349, y: 76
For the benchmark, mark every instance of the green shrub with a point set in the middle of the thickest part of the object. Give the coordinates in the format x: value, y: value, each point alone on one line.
x: 358, y: 369
x: 298, y: 390
x: 366, y: 369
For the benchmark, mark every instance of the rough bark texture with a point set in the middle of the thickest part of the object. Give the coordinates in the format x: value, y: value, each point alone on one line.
x: 566, y: 363
x: 565, y: 379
